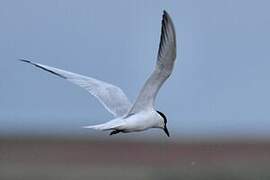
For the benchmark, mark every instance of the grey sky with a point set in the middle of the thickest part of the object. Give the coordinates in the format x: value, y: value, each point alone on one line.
x: 220, y: 86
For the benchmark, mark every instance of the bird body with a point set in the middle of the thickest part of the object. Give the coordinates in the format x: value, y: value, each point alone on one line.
x: 135, y: 122
x: 130, y: 117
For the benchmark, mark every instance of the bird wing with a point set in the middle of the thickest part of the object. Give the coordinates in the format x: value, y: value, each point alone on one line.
x: 110, y: 96
x: 163, y: 68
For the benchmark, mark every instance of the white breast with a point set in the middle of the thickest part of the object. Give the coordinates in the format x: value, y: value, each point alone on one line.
x: 142, y: 121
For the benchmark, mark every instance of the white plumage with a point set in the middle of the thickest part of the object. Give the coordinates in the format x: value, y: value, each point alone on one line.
x: 141, y: 115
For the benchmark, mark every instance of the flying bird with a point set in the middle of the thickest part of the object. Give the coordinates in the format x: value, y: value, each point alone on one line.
x: 129, y: 117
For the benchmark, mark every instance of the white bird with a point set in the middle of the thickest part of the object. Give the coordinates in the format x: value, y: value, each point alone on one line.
x: 129, y: 117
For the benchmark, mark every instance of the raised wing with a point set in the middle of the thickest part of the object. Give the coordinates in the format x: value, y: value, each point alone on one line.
x: 163, y: 69
x: 110, y: 96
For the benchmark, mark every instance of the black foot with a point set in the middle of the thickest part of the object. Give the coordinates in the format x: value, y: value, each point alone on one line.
x: 115, y: 132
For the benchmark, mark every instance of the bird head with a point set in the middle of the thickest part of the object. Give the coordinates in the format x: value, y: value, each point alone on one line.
x: 164, y: 124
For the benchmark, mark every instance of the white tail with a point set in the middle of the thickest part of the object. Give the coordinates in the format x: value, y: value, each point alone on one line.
x: 97, y: 127
x: 111, y: 125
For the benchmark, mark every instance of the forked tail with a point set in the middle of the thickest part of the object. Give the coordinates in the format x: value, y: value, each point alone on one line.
x: 105, y: 126
x: 101, y: 127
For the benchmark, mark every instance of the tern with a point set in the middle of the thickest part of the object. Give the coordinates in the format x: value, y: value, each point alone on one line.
x: 129, y: 117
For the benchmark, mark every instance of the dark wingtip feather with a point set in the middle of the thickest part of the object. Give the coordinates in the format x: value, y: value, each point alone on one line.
x: 165, y: 13
x: 166, y: 28
x: 24, y: 60
x: 163, y: 30
x: 41, y: 67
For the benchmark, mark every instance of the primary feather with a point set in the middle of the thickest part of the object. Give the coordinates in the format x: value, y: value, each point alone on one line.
x: 163, y: 69
x: 110, y: 96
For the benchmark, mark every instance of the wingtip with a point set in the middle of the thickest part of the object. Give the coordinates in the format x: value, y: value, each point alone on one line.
x: 24, y: 60
x: 166, y: 16
x: 165, y: 12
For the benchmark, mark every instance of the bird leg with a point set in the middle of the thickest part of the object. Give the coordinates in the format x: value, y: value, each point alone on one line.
x: 115, y: 132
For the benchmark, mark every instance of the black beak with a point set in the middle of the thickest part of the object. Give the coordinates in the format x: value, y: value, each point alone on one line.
x: 166, y: 131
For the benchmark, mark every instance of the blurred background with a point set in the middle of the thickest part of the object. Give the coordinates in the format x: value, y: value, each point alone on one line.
x: 216, y: 101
